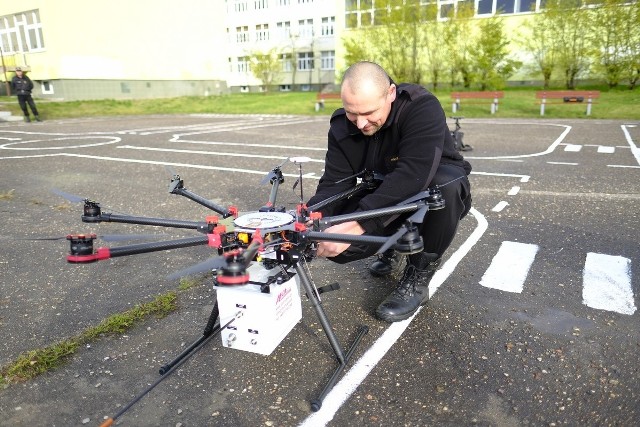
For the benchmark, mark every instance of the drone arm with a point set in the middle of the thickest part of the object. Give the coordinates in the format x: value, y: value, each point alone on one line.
x: 374, y: 213
x: 163, y: 222
x: 204, y: 202
x: 319, y: 236
x: 337, y: 197
x: 106, y: 253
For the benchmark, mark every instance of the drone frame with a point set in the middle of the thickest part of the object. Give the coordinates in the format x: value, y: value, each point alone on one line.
x: 236, y: 251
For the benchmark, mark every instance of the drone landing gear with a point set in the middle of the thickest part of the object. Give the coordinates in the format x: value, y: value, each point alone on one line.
x: 342, y: 357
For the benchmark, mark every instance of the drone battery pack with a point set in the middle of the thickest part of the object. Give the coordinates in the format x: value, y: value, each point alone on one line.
x: 264, y: 319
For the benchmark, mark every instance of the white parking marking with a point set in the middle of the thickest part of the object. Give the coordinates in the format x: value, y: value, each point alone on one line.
x: 500, y: 206
x: 563, y: 163
x: 514, y: 190
x: 510, y: 267
x: 361, y: 369
x: 573, y: 147
x: 604, y: 149
x: 634, y: 149
x: 607, y: 283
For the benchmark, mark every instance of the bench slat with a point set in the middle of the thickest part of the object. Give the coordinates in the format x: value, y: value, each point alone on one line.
x: 543, y: 95
x: 492, y: 95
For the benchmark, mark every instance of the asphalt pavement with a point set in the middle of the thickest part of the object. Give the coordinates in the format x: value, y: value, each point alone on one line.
x: 532, y: 320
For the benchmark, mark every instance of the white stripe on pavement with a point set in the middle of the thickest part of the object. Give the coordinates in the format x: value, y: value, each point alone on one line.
x: 604, y: 149
x: 510, y: 267
x: 607, y: 283
x: 573, y: 147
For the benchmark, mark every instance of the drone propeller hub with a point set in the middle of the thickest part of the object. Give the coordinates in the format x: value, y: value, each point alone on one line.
x: 410, y: 243
x: 234, y: 273
x: 81, y: 244
x: 91, y: 211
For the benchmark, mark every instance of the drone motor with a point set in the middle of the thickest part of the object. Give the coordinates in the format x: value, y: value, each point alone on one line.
x: 411, y: 242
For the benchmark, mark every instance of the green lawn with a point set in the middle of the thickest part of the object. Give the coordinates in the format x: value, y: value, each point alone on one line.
x: 517, y: 103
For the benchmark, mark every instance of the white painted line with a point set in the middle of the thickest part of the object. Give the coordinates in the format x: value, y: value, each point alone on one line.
x: 607, y: 283
x: 361, y: 369
x: 510, y: 267
x: 549, y: 149
x: 624, y: 166
x: 607, y: 150
x: 563, y: 163
x: 500, y: 206
x: 523, y: 178
x: 634, y: 149
x: 573, y: 147
x: 210, y: 153
x: 514, y: 190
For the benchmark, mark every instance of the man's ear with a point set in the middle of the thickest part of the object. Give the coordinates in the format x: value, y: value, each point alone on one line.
x: 392, y: 92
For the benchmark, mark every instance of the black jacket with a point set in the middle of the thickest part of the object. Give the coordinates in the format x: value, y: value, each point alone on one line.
x: 407, y: 150
x: 21, y: 86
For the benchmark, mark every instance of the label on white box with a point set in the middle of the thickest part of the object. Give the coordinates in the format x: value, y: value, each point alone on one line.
x: 265, y: 318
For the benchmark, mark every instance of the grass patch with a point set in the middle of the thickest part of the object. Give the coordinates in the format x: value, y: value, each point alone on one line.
x: 8, y: 195
x: 616, y: 103
x: 35, y: 362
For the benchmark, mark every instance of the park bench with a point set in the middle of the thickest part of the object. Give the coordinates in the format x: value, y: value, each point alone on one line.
x: 493, y: 96
x: 322, y: 97
x: 566, y: 97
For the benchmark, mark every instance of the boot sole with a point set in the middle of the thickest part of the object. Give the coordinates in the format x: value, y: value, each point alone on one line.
x: 400, y: 317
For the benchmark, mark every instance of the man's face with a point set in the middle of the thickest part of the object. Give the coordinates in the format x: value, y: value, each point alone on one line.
x: 19, y: 73
x: 368, y: 109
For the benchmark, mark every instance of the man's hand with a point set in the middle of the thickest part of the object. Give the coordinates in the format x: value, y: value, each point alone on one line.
x: 331, y: 249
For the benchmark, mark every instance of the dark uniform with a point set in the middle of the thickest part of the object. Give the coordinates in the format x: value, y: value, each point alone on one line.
x: 414, y: 150
x: 22, y: 87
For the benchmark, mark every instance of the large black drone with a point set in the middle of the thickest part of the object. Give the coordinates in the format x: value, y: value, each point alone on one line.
x: 271, y: 236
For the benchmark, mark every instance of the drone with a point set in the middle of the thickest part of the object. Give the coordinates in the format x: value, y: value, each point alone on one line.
x: 260, y: 263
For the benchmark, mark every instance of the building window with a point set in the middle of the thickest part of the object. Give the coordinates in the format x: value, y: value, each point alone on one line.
x: 47, y: 88
x: 284, y: 30
x: 260, y: 4
x: 243, y: 64
x: 305, y: 1
x: 285, y: 60
x: 240, y: 6
x: 285, y: 88
x: 244, y: 89
x: 328, y: 25
x: 328, y: 60
x: 305, y: 61
x: 284, y: 3
x: 305, y: 27
x: 21, y: 32
x: 242, y: 34
x: 262, y: 32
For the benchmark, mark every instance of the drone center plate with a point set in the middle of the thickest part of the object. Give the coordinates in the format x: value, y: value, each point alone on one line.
x: 263, y: 220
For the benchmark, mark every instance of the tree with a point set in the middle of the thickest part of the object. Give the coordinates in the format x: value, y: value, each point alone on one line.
x: 539, y: 43
x: 266, y: 67
x: 459, y: 40
x: 569, y: 25
x: 435, y: 49
x: 489, y: 56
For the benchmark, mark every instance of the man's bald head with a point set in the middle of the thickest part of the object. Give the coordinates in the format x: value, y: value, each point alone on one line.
x: 365, y: 75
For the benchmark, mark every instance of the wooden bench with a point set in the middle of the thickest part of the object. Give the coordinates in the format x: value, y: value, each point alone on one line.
x: 567, y: 97
x: 494, y: 96
x: 322, y: 97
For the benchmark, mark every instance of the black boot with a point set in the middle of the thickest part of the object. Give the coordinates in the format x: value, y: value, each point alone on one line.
x: 27, y: 119
x: 412, y: 290
x: 38, y: 119
x: 386, y: 263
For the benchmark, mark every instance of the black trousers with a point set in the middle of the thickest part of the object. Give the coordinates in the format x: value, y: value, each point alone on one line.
x: 23, y: 100
x: 438, y: 228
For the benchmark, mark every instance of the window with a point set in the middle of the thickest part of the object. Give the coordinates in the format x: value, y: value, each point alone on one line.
x: 244, y: 89
x: 328, y: 60
x: 240, y: 6
x: 262, y: 32
x: 284, y: 30
x: 243, y: 64
x: 505, y: 6
x: 285, y: 88
x: 285, y: 60
x: 47, y: 88
x: 305, y: 61
x: 242, y: 34
x: 260, y: 4
x: 485, y: 7
x: 21, y: 32
x: 328, y: 26
x: 284, y: 3
x: 305, y: 27
x: 525, y: 6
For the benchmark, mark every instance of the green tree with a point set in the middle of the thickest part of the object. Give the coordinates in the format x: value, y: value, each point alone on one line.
x: 538, y: 42
x: 459, y: 41
x: 436, y: 54
x: 266, y: 67
x: 613, y: 32
x: 490, y: 55
x: 570, y: 27
x: 631, y: 69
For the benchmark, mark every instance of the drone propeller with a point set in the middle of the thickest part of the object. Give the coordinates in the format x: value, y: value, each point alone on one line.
x: 273, y: 173
x: 70, y: 197
x: 410, y: 243
x: 105, y: 237
x: 206, y: 265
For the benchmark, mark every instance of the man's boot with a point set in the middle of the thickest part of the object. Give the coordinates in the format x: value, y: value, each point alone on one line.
x: 412, y: 290
x: 386, y: 263
x: 27, y: 119
x: 38, y: 119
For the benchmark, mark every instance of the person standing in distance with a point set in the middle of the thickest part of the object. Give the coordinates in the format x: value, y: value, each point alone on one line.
x: 22, y: 87
x: 400, y: 132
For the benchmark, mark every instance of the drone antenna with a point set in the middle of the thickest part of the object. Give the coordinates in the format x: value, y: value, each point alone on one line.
x: 299, y: 161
